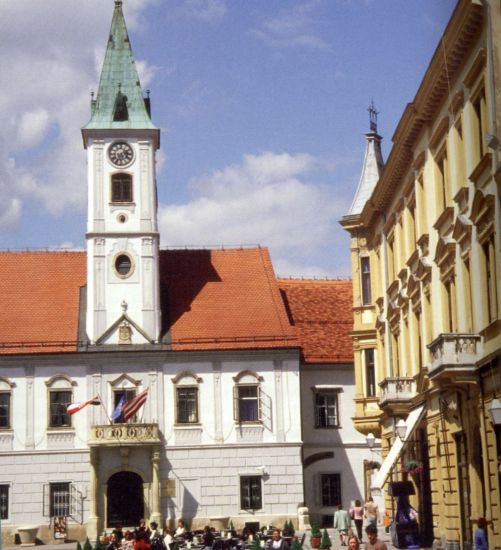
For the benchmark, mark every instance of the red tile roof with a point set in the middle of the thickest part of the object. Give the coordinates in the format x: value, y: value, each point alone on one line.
x: 213, y: 299
x: 39, y: 299
x: 224, y: 299
x: 322, y: 314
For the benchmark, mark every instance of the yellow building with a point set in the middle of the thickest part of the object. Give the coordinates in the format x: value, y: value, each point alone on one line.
x: 426, y: 261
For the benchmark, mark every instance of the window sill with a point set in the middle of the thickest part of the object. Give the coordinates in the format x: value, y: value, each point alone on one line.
x: 188, y: 425
x: 328, y: 427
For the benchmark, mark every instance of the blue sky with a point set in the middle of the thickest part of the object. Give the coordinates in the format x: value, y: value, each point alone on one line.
x: 262, y: 106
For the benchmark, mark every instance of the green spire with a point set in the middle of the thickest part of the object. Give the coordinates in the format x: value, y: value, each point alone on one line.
x: 119, y: 103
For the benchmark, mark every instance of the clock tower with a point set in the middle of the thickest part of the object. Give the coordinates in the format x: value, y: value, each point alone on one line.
x: 123, y: 295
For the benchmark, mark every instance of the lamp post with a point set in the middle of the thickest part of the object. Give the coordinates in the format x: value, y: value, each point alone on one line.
x: 370, y: 440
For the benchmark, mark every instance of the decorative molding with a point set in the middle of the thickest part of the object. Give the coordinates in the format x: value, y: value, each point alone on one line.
x: 125, y: 434
x: 61, y: 439
x: 65, y: 378
x: 186, y: 374
x: 188, y: 436
x: 249, y: 434
x: 6, y: 440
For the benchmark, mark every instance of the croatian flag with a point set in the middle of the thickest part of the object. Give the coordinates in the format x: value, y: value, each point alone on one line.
x: 131, y: 407
x: 73, y: 408
x: 117, y: 413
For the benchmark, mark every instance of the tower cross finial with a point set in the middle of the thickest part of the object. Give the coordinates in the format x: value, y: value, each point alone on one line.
x: 373, y: 116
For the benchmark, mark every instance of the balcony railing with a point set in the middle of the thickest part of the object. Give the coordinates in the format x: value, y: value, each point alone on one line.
x: 125, y: 434
x: 457, y: 352
x: 397, y: 389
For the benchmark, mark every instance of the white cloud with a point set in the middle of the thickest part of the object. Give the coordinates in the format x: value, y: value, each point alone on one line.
x: 208, y: 11
x: 294, y: 26
x: 268, y: 199
x: 32, y: 127
x: 51, y: 57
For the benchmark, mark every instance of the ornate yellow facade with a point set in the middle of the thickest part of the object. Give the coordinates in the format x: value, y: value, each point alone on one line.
x: 426, y: 266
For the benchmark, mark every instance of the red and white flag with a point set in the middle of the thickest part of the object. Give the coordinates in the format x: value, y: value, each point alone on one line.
x: 72, y: 408
x: 130, y: 408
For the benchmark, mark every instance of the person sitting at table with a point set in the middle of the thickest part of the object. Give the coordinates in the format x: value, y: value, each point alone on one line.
x: 142, y: 541
x: 277, y: 542
x: 180, y: 529
x: 208, y: 537
x: 114, y: 543
x: 169, y: 538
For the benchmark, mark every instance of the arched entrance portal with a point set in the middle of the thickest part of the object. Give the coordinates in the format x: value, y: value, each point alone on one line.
x: 125, y: 499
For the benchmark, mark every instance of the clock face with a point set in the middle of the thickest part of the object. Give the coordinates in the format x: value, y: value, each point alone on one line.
x: 120, y: 153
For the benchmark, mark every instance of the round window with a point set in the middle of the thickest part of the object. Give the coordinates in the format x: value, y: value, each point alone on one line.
x: 123, y: 265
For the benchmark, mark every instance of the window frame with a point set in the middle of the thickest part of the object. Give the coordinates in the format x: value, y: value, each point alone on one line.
x: 8, y: 415
x: 335, y: 476
x: 321, y: 392
x: 370, y: 372
x: 122, y: 188
x: 254, y: 477
x: 6, y: 487
x: 239, y: 400
x: 365, y: 280
x: 65, y: 416
x: 178, y: 390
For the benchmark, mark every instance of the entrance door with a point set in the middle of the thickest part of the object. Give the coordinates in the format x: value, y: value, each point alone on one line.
x: 125, y: 499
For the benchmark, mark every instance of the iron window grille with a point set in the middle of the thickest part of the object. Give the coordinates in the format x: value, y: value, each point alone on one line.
x: 330, y: 489
x: 251, y: 497
x: 4, y: 501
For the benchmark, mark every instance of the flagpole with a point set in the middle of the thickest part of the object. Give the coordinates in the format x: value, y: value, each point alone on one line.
x: 104, y: 408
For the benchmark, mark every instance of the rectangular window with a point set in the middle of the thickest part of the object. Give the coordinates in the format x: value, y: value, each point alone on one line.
x: 250, y: 493
x: 370, y: 372
x: 59, y: 401
x: 127, y: 395
x: 326, y: 410
x: 330, y: 487
x: 443, y: 190
x: 480, y: 122
x: 248, y: 403
x: 4, y: 502
x: 121, y: 188
x: 4, y: 410
x: 488, y: 250
x: 59, y: 499
x: 365, y: 266
x: 187, y: 405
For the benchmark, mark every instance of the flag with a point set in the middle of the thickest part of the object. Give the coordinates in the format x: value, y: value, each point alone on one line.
x: 117, y: 413
x: 73, y: 408
x: 130, y: 408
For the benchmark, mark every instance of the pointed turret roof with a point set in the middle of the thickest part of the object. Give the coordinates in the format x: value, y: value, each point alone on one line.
x: 119, y: 103
x: 372, y: 167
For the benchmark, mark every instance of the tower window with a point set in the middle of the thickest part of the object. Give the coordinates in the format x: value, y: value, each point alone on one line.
x: 121, y: 188
x: 123, y: 265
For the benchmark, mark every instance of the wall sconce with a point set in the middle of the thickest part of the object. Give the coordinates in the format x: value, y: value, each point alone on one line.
x: 401, y: 429
x: 370, y: 440
x: 495, y: 411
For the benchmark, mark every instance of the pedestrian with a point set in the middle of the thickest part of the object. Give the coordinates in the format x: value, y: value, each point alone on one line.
x: 353, y: 543
x: 481, y: 535
x: 357, y: 515
x: 373, y: 542
x: 371, y: 512
x: 342, y: 523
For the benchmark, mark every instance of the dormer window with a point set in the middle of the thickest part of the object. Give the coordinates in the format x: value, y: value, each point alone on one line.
x: 121, y: 188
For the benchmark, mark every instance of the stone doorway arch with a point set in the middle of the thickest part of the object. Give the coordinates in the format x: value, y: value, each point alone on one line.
x: 125, y: 499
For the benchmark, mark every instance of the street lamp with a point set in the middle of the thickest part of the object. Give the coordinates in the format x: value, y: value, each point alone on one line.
x: 401, y: 429
x: 495, y: 411
x: 370, y: 440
